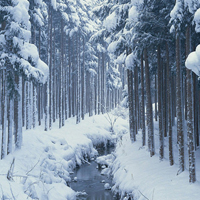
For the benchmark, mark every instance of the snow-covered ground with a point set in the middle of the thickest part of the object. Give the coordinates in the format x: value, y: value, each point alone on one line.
x: 138, y: 175
x: 42, y: 168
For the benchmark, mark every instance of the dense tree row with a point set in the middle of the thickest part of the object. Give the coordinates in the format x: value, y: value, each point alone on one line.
x: 97, y: 52
x: 156, y: 38
x: 80, y: 77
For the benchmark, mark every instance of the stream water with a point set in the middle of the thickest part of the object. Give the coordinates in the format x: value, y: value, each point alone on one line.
x: 90, y: 180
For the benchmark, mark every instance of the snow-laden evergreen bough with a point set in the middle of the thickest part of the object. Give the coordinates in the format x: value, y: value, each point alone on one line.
x: 17, y: 53
x: 18, y: 58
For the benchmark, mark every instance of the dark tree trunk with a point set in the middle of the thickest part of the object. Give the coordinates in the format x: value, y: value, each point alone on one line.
x: 160, y: 108
x: 169, y: 100
x: 149, y: 107
x: 180, y: 135
x: 190, y: 115
x: 143, y: 103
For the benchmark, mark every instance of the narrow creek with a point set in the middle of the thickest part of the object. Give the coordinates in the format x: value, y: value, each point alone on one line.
x: 90, y: 180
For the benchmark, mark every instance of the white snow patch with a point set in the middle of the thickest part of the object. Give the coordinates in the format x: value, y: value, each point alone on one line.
x: 130, y: 61
x: 110, y: 22
x: 193, y: 61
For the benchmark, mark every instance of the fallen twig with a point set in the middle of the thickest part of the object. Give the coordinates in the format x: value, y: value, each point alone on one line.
x: 10, y: 171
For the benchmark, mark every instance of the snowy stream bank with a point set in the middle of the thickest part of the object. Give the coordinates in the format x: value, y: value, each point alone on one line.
x: 41, y: 169
x: 43, y: 166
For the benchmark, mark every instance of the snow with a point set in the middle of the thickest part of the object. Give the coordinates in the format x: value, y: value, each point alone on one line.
x: 100, y: 48
x: 193, y: 61
x: 20, y: 12
x: 30, y: 51
x: 130, y: 61
x: 27, y: 56
x: 133, y: 14
x: 107, y: 186
x: 197, y: 20
x: 137, y: 174
x: 176, y: 12
x: 110, y: 22
x: 121, y: 58
x: 38, y: 17
x: 54, y: 4
x: 43, y: 165
x: 38, y: 2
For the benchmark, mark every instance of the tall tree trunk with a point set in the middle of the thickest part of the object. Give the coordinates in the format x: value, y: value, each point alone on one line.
x: 40, y: 104
x: 164, y: 100
x: 173, y: 98
x: 46, y: 109
x: 27, y: 105
x: 180, y: 135
x: 50, y: 27
x: 169, y: 100
x: 102, y: 84
x: 70, y: 78
x: 34, y: 106
x: 83, y: 83
x: 99, y: 83
x: 143, y: 103
x: 73, y: 79
x: 160, y: 114
x: 78, y: 76
x: 63, y: 72
x: 30, y: 104
x: 4, y: 114
x: 10, y: 126
x: 39, y: 86
x: 131, y: 105
x: 149, y: 107
x: 136, y: 98
x: 18, y: 113
x: 190, y: 115
x: 156, y: 99
x: 60, y: 76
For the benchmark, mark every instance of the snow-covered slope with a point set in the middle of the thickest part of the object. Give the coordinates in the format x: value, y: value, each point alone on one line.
x: 137, y: 174
x: 42, y: 167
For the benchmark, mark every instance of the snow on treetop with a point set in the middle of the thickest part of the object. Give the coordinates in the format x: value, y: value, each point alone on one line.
x: 36, y: 68
x: 38, y: 2
x: 176, y: 14
x: 116, y: 45
x: 38, y: 17
x: 197, y: 20
x: 110, y: 22
x: 193, y: 61
x: 20, y: 13
x: 121, y: 58
x: 53, y: 3
x: 130, y: 61
x: 133, y: 14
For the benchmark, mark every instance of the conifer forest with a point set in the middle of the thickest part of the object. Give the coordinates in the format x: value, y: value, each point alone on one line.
x: 77, y: 59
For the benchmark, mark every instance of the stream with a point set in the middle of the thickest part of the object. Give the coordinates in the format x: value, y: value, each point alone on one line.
x: 90, y: 180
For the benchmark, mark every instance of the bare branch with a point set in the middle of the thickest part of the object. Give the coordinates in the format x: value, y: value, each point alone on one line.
x: 32, y: 167
x: 10, y: 171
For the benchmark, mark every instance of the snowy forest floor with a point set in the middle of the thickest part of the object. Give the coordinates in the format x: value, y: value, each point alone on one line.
x: 138, y: 175
x: 43, y: 165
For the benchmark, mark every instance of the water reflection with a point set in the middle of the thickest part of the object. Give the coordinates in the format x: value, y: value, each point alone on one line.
x: 92, y: 182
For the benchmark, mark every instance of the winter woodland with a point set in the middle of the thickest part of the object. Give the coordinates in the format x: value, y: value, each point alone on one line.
x: 67, y: 59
